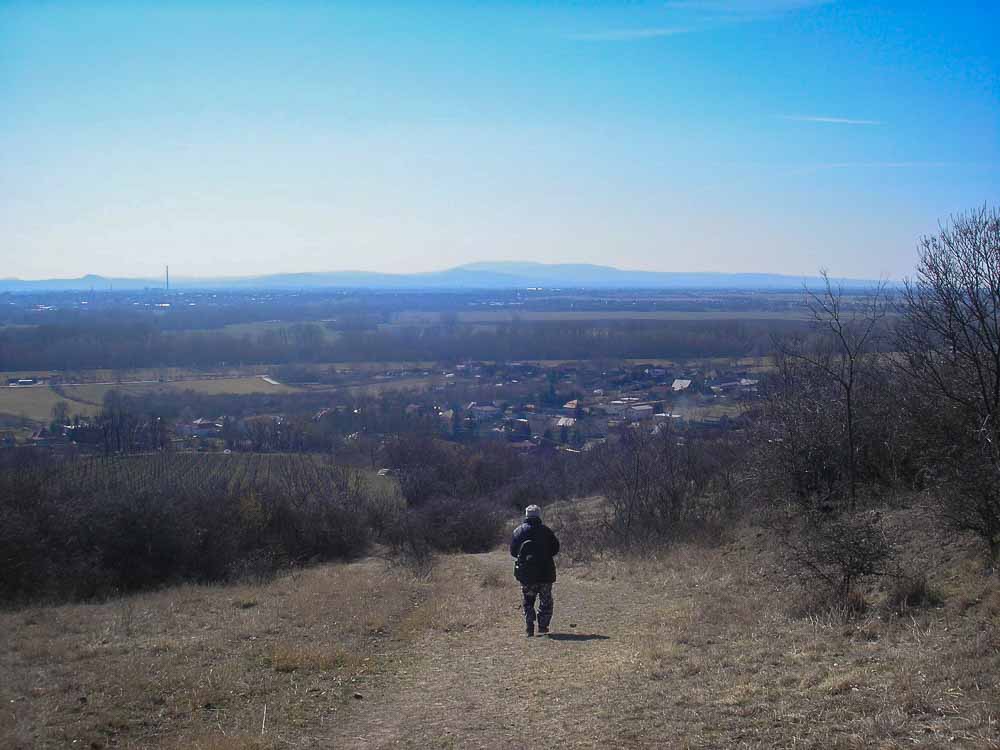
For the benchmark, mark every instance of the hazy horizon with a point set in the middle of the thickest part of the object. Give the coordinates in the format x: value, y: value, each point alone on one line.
x: 732, y: 136
x: 499, y: 268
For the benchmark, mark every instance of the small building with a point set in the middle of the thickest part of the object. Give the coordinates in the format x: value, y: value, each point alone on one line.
x: 616, y: 407
x: 680, y: 384
x: 204, y: 428
x: 483, y: 412
x: 642, y: 411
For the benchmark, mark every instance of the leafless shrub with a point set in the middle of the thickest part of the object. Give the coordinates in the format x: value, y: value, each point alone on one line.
x: 818, y: 409
x: 655, y: 486
x: 581, y: 537
x: 912, y: 590
x: 89, y: 527
x: 838, y: 552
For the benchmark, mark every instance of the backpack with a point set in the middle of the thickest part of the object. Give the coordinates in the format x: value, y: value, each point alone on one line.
x: 527, y: 566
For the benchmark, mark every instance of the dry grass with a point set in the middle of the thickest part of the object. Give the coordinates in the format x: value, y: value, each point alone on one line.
x: 195, y: 666
x: 701, y: 648
x: 36, y: 403
x: 95, y: 392
x: 729, y: 637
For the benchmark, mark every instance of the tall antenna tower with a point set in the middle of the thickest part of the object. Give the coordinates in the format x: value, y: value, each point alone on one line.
x: 168, y: 278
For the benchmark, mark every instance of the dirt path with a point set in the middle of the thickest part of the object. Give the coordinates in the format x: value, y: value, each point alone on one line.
x: 484, y: 684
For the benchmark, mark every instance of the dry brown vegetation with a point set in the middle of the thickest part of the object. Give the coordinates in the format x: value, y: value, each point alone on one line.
x: 699, y: 647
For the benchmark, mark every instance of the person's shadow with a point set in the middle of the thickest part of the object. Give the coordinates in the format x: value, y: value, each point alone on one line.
x: 577, y: 637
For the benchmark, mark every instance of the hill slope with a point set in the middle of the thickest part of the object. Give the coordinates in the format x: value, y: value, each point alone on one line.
x: 697, y: 650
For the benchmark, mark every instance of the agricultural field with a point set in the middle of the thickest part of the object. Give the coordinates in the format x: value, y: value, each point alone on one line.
x: 94, y: 392
x: 35, y: 403
x: 185, y: 473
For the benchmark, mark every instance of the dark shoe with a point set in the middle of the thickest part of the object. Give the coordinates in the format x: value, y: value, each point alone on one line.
x: 542, y: 631
x: 530, y: 631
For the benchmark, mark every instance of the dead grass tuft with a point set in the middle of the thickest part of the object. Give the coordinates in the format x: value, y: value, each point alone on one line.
x: 219, y: 741
x: 493, y: 578
x: 289, y: 657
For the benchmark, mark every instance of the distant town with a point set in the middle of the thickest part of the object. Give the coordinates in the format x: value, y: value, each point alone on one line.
x: 528, y: 405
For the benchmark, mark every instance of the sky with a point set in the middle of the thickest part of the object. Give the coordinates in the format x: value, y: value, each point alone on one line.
x: 227, y: 138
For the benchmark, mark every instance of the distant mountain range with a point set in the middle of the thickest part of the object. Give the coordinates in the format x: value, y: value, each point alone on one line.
x: 499, y: 275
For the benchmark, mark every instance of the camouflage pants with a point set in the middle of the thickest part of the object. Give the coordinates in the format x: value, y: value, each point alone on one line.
x: 544, y: 593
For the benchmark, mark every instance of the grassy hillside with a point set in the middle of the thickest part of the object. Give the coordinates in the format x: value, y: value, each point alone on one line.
x: 700, y: 648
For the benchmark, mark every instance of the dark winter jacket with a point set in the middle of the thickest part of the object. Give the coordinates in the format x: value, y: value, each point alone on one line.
x: 543, y: 536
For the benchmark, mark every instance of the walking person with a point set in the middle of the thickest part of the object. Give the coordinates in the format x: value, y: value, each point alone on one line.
x: 534, y: 547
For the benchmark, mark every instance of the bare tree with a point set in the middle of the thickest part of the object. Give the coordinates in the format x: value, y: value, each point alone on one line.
x: 951, y: 336
x: 949, y: 341
x: 60, y: 414
x: 845, y: 346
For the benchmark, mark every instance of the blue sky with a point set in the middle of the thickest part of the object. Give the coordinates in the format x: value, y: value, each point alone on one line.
x: 694, y: 135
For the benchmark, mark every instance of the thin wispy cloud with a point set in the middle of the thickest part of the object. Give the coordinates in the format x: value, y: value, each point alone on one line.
x: 626, y: 35
x: 830, y: 120
x: 700, y: 15
x: 745, y: 7
x: 883, y: 165
x: 811, y: 169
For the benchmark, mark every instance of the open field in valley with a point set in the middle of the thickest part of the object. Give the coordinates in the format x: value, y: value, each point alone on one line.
x: 94, y: 393
x: 36, y: 402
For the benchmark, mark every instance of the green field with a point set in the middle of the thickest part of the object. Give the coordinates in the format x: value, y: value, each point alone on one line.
x: 188, y: 472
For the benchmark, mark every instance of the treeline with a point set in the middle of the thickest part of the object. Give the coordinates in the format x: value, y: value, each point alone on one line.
x: 116, y: 342
x: 569, y: 340
x: 130, y: 342
x: 92, y: 527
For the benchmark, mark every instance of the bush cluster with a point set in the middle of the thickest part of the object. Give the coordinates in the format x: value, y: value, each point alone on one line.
x: 145, y: 525
x: 460, y: 498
